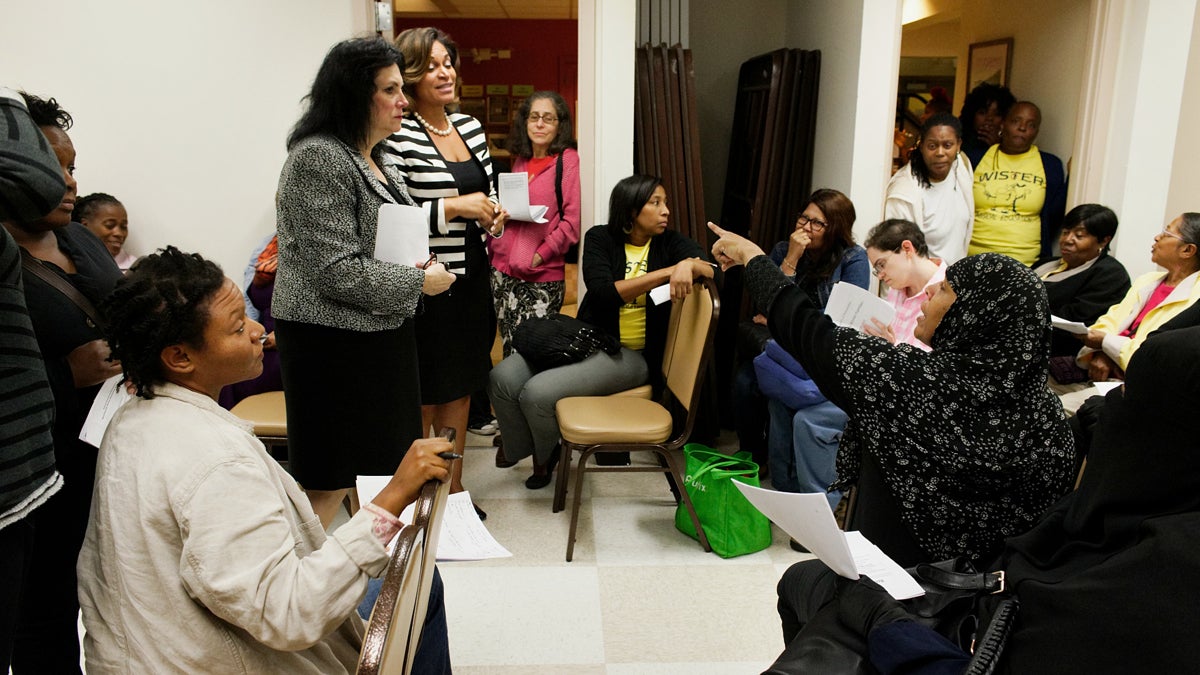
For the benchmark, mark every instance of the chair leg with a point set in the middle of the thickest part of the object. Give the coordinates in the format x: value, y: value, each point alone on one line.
x: 561, y: 476
x: 671, y: 483
x: 575, y: 501
x: 687, y: 500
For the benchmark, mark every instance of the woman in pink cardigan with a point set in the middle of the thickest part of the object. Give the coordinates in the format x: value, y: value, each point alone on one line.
x: 527, y: 263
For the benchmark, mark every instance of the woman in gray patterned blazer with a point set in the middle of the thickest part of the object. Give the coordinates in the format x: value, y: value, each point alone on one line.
x: 344, y: 319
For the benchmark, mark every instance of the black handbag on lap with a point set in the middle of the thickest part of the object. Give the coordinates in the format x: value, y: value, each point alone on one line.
x: 558, y: 340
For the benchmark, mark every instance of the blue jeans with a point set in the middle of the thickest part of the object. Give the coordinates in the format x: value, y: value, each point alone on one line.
x: 802, y: 447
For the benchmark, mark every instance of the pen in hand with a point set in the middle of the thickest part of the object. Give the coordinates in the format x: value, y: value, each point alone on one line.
x: 449, y: 455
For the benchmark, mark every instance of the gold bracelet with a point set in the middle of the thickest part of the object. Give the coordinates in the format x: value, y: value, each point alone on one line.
x: 785, y: 262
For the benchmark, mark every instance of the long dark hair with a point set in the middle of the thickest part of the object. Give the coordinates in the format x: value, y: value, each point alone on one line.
x: 839, y: 233
x: 339, y: 103
x: 518, y: 138
x: 919, y: 170
x: 629, y: 195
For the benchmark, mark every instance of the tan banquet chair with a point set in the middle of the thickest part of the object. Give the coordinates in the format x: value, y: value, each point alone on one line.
x: 396, y: 621
x: 268, y: 413
x: 589, y: 424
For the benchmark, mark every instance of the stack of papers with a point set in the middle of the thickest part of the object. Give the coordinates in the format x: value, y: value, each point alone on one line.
x: 808, y: 519
x: 514, y: 197
x: 1069, y: 326
x: 855, y: 307
x: 463, y: 536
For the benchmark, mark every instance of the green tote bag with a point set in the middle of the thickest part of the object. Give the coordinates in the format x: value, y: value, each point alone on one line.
x: 733, y: 526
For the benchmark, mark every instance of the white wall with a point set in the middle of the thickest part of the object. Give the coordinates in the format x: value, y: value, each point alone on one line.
x: 860, y: 50
x: 938, y: 39
x: 1049, y: 44
x: 1184, y: 194
x: 181, y: 109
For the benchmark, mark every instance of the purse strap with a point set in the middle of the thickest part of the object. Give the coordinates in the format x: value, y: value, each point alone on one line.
x: 987, y: 582
x: 39, y: 270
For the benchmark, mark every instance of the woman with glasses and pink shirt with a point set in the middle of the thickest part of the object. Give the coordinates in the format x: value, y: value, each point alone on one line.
x: 527, y: 265
x: 1155, y: 299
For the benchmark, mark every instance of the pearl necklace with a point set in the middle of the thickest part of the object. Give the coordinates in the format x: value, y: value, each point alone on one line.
x: 432, y: 129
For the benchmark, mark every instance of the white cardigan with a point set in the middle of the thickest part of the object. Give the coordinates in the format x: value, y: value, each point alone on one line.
x: 202, y: 555
x: 905, y: 200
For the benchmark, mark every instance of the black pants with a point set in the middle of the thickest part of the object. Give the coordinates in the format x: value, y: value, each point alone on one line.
x: 16, y: 558
x: 46, y: 639
x: 814, y: 639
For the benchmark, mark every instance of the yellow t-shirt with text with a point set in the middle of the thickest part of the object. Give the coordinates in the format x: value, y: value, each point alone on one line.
x: 1010, y: 191
x: 632, y: 316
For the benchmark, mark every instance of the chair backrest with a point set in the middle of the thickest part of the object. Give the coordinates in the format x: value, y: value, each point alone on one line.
x: 399, y: 613
x: 690, y: 342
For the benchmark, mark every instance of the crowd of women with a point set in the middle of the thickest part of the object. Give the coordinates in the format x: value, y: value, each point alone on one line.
x: 183, y: 542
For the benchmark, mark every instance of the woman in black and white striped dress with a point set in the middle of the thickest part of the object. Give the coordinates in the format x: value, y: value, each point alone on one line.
x: 448, y: 171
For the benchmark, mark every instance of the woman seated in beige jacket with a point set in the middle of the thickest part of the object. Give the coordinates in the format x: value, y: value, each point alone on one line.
x: 202, y: 554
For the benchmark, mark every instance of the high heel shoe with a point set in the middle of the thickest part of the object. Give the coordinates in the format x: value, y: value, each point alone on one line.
x: 542, y: 475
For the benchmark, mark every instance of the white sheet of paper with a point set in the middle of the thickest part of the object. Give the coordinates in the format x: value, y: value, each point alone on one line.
x: 807, y: 518
x: 463, y: 536
x: 1069, y: 326
x: 111, y: 397
x: 854, y: 307
x: 514, y: 196
x: 1105, y: 387
x: 660, y: 294
x: 402, y: 236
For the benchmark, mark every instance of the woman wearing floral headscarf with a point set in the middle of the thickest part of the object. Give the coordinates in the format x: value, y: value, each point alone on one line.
x: 952, y: 450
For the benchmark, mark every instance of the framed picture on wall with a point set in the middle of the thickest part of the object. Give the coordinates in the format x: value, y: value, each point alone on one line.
x: 497, y: 109
x: 989, y: 62
x: 473, y: 106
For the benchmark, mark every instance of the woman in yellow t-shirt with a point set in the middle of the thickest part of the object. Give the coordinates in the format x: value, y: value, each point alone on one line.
x: 622, y: 262
x: 1020, y: 192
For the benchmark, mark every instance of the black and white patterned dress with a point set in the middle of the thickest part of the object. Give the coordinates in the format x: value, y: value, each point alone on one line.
x: 968, y: 440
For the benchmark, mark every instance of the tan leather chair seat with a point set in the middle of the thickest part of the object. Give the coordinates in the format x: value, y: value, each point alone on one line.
x: 645, y: 391
x: 266, y: 411
x: 588, y: 420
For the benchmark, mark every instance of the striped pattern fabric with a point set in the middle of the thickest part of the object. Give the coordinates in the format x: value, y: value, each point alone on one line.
x: 31, y: 184
x: 429, y: 181
x: 27, y: 473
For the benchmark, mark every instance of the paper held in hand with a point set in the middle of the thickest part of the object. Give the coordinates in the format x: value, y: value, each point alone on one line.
x: 463, y: 537
x: 111, y: 397
x: 1073, y: 327
x: 514, y: 196
x: 808, y: 519
x: 402, y: 236
x: 854, y: 307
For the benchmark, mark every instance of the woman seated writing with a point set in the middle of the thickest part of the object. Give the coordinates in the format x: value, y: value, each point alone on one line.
x: 803, y: 442
x: 1085, y: 281
x: 622, y: 262
x: 952, y: 449
x: 202, y: 554
x: 1155, y: 299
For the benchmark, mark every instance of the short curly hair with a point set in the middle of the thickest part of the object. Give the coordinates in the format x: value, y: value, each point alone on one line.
x: 46, y: 112
x: 162, y: 301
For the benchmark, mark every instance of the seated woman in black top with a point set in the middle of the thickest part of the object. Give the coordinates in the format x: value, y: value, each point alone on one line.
x: 1085, y: 281
x: 952, y: 450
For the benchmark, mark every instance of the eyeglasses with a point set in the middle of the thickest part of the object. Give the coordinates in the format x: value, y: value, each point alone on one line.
x: 548, y: 118
x: 1172, y: 234
x: 811, y: 223
x: 879, y: 264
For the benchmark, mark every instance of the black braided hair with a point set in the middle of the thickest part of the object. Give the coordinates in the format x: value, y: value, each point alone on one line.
x: 162, y: 301
x: 85, y: 206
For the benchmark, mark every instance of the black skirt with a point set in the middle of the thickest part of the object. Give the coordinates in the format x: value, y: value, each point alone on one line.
x: 455, y: 332
x: 353, y: 402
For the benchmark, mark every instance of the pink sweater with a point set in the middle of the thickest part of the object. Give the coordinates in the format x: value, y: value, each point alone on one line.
x: 513, y: 252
